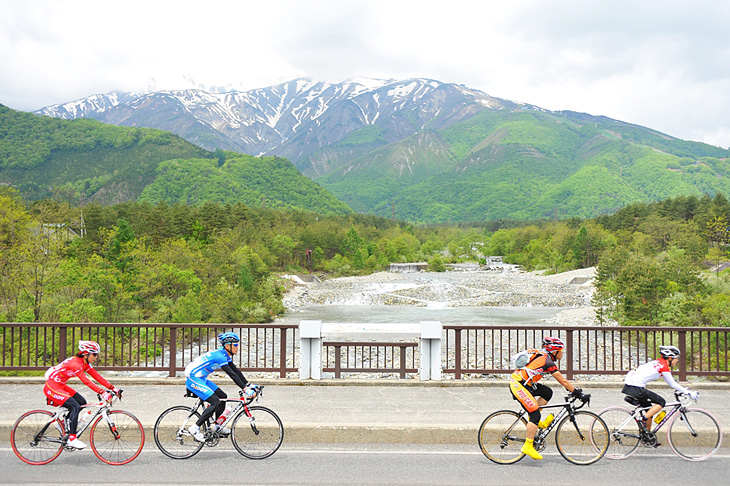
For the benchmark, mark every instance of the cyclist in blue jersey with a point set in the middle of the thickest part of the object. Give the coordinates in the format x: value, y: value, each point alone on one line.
x: 197, y: 381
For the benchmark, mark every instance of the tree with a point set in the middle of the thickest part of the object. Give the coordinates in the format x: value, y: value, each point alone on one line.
x: 718, y: 234
x: 15, y: 231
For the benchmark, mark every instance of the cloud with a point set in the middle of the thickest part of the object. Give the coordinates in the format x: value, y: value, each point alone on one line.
x: 661, y: 64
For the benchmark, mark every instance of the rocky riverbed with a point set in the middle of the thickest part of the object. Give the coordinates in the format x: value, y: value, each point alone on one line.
x: 509, y: 288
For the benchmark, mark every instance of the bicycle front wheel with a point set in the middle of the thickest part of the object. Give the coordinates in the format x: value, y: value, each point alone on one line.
x: 35, y: 439
x: 582, y: 439
x: 257, y: 437
x: 624, y: 434
x: 694, y: 435
x: 502, y: 435
x: 171, y: 433
x: 119, y: 440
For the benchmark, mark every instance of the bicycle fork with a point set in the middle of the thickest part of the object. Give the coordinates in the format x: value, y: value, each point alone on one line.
x: 251, y: 420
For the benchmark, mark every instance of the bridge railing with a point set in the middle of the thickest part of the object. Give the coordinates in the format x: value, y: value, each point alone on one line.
x: 274, y: 349
x: 271, y: 348
x: 591, y: 350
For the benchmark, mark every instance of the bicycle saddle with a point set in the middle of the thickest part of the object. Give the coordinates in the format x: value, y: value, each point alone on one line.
x: 632, y: 400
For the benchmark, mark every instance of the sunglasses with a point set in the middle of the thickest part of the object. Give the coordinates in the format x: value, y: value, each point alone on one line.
x: 235, y: 345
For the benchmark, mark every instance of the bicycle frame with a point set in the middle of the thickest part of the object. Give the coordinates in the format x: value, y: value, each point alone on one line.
x: 241, y: 407
x: 61, y: 413
x: 566, y: 408
x: 638, y: 412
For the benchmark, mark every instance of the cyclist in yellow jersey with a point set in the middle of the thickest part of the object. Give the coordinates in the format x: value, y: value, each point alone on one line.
x: 525, y: 387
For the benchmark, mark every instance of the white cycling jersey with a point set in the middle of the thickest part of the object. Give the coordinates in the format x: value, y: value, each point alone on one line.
x: 652, y: 371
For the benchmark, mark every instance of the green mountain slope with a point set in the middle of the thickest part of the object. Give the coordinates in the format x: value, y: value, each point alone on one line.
x: 89, y: 160
x: 255, y: 181
x: 527, y: 164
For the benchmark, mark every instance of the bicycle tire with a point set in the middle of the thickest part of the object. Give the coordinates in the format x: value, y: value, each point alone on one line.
x: 118, y: 444
x: 588, y: 449
x: 502, y: 435
x: 260, y: 438
x: 24, y: 432
x: 171, y: 434
x: 694, y: 448
x: 625, y: 437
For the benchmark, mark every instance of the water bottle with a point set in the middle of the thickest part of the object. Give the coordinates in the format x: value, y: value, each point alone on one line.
x: 544, y: 424
x: 660, y: 416
x: 85, y: 416
x: 220, y: 420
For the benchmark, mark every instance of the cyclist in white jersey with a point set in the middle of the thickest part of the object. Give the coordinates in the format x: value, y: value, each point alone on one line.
x: 197, y: 381
x: 636, y: 381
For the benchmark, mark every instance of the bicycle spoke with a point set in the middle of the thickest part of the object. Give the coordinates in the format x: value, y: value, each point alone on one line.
x: 258, y: 438
x: 694, y: 435
x: 582, y: 440
x: 624, y: 435
x: 32, y: 446
x: 171, y: 434
x: 119, y: 443
x: 501, y: 437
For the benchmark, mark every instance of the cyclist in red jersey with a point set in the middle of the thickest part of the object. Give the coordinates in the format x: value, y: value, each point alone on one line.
x: 59, y: 394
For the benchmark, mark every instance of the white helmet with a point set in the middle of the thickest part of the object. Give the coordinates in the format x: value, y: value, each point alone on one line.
x: 669, y: 351
x: 87, y: 347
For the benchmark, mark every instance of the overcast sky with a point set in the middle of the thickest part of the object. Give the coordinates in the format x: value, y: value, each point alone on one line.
x: 659, y: 63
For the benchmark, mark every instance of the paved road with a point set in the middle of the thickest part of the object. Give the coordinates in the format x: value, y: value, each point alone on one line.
x: 372, y: 464
x: 373, y: 412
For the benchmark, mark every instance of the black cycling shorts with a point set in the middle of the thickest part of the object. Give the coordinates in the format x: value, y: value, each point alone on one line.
x: 645, y: 397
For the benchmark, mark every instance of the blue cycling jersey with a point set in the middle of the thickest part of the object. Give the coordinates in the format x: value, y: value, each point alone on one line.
x: 207, y: 363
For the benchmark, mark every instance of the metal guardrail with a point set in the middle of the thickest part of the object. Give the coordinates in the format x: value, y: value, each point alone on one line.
x: 370, y: 357
x: 148, y: 347
x: 274, y: 348
x: 591, y: 350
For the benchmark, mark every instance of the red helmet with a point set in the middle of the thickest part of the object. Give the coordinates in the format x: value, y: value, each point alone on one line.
x: 552, y: 344
x: 87, y: 347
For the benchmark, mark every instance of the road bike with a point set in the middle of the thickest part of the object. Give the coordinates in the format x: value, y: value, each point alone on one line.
x: 581, y: 436
x: 116, y: 437
x: 256, y: 432
x: 693, y: 434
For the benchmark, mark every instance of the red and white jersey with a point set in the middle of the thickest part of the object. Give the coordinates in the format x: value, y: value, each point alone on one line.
x: 651, y: 371
x: 76, y: 366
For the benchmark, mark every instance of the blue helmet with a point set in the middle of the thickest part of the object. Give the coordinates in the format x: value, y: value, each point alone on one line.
x: 228, y: 338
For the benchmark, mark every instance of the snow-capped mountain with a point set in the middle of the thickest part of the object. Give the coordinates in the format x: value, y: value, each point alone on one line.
x: 300, y: 120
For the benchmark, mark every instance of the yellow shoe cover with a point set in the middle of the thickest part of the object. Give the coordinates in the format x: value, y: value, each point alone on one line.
x: 529, y: 449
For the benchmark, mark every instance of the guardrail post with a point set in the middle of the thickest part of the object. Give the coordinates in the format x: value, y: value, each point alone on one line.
x: 402, y: 361
x: 62, y: 336
x: 173, y: 352
x: 457, y: 354
x: 569, y: 361
x: 682, y: 335
x: 430, y: 350
x: 338, y: 360
x: 282, y: 352
x: 310, y: 350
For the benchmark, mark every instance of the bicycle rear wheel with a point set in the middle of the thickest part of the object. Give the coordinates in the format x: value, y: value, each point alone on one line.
x: 583, y: 440
x: 502, y: 435
x: 257, y: 437
x: 118, y: 441
x: 30, y: 445
x: 694, y: 435
x: 624, y: 432
x: 171, y: 433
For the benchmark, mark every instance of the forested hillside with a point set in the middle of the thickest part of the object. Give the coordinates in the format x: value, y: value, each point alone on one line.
x: 527, y: 165
x: 85, y: 160
x: 663, y: 263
